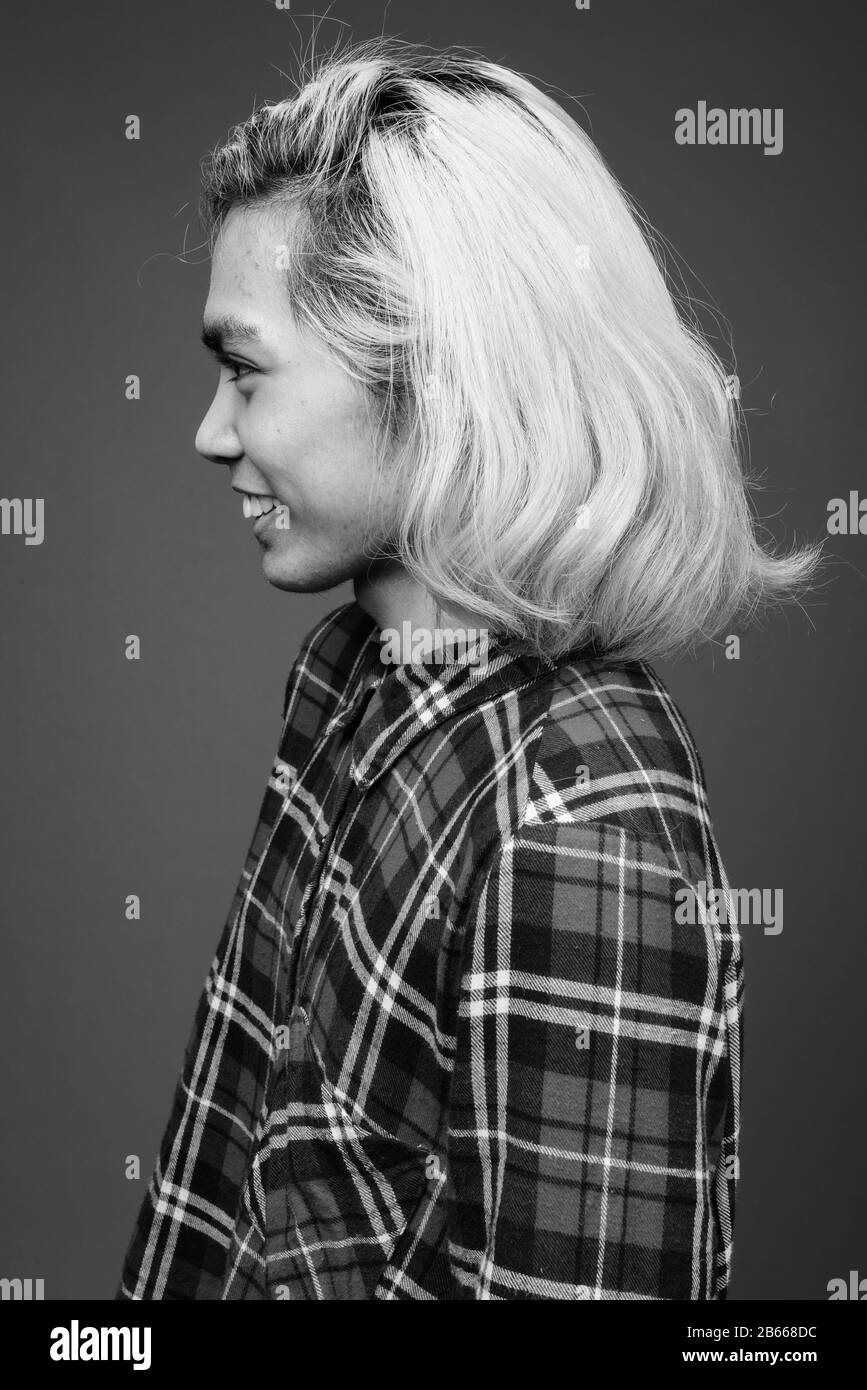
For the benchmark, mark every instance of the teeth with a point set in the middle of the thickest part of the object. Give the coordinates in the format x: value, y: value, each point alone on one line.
x: 254, y: 506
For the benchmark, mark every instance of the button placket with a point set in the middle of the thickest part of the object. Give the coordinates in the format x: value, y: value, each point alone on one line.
x: 308, y: 928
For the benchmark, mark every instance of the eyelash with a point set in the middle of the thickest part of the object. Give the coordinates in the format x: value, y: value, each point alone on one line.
x: 242, y: 369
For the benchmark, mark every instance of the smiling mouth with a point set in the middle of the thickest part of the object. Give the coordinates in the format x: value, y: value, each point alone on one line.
x: 255, y: 505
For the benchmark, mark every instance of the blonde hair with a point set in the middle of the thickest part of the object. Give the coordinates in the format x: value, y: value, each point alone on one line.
x: 568, y: 461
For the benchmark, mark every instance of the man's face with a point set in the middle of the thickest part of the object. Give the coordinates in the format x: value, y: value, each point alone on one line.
x: 288, y: 421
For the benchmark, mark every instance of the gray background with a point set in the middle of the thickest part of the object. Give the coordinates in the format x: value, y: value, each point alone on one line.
x: 145, y: 777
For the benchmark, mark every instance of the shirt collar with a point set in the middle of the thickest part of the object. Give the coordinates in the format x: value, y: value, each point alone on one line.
x: 400, y: 703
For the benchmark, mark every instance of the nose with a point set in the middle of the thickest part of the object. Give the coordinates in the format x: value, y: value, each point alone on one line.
x: 216, y: 437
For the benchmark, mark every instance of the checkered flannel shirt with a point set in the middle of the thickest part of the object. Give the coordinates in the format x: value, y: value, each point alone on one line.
x: 454, y: 1043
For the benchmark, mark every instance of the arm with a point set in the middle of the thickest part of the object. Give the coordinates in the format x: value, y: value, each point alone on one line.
x: 594, y: 1097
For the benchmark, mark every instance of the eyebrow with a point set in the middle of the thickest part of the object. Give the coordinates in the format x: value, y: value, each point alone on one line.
x: 219, y: 334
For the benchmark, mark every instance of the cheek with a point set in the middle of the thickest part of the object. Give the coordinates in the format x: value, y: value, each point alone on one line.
x: 299, y: 427
x: 321, y: 443
x: 269, y: 438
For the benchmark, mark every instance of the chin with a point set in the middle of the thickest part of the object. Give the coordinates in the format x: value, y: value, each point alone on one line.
x: 286, y: 575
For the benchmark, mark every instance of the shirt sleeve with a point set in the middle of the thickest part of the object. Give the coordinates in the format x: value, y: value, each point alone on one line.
x: 592, y: 1138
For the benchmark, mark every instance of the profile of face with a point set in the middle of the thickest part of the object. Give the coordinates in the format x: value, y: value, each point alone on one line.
x: 288, y: 421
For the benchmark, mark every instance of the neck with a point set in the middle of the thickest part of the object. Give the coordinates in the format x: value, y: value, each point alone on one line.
x: 392, y: 597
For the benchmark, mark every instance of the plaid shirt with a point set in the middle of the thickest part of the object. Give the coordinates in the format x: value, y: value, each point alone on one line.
x: 453, y: 1043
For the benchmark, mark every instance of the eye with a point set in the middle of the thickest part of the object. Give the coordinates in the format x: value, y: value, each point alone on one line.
x: 241, y: 369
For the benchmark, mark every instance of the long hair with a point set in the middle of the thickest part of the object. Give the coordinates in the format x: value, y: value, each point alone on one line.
x: 565, y: 444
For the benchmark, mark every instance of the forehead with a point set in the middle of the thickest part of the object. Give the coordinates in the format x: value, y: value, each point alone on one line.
x: 247, y: 279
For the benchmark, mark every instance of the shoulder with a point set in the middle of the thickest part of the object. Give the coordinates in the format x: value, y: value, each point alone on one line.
x: 616, y: 752
x: 595, y: 906
x: 615, y: 827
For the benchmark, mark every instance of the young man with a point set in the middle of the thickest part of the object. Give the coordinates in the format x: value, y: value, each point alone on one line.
x: 457, y: 1041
